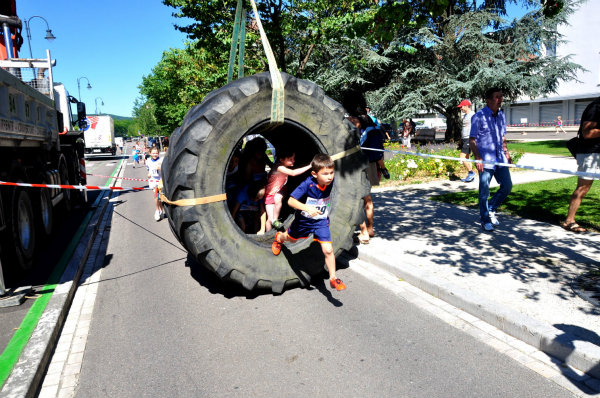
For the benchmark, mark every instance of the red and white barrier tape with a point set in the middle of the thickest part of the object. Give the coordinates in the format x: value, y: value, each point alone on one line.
x: 78, y: 187
x: 124, y: 178
x: 547, y: 124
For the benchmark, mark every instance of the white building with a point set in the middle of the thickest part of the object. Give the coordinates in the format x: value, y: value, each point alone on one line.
x: 583, y: 44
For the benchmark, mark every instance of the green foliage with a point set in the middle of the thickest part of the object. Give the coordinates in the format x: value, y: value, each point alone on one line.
x: 544, y: 147
x: 403, y: 167
x: 122, y: 127
x: 409, y: 167
x: 437, y: 60
x: 145, y: 119
x: 406, y: 56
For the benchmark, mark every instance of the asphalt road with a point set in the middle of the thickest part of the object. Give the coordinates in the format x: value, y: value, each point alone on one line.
x: 164, y: 326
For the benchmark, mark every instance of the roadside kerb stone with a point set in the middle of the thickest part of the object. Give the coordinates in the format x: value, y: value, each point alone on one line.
x: 581, y: 355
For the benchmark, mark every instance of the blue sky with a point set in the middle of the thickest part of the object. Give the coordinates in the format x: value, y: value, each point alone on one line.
x: 112, y: 43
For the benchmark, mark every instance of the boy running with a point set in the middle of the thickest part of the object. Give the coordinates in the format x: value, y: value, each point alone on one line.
x: 153, y: 165
x: 311, y: 201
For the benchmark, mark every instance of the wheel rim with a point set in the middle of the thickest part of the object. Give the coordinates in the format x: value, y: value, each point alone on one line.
x: 46, y: 208
x: 24, y: 224
x: 64, y: 177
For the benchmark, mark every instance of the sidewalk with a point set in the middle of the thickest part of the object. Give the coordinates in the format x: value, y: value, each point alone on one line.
x: 518, y: 278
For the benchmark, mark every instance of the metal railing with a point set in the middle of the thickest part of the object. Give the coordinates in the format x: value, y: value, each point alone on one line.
x: 35, y: 72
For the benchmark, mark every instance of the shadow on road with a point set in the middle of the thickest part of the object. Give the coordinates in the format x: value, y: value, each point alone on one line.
x: 525, y: 251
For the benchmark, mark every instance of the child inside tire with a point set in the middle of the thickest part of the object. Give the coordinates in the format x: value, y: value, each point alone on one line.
x: 311, y: 199
x: 276, y: 184
x: 249, y: 210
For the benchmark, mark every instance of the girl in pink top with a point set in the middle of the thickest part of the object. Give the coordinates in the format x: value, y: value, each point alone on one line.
x: 278, y: 177
x: 559, y: 125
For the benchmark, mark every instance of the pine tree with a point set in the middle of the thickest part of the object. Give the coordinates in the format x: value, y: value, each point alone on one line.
x: 456, y: 55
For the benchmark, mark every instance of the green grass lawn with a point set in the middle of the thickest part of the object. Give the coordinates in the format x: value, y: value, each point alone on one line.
x: 557, y: 147
x: 546, y: 201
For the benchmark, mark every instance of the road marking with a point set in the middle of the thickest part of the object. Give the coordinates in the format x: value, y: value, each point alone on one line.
x: 551, y: 368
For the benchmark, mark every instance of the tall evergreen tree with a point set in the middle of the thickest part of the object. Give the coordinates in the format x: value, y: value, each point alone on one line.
x: 456, y: 55
x: 405, y: 56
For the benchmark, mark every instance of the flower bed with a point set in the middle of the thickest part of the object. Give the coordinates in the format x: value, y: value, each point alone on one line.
x: 410, y: 168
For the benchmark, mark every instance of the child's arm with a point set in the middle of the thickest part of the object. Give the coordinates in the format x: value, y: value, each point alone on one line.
x: 296, y: 204
x: 293, y: 172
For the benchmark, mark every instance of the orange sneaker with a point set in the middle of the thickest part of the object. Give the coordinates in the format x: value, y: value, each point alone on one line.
x: 337, y: 284
x: 276, y: 246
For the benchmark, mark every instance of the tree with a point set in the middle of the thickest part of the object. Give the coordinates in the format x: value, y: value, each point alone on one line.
x: 404, y: 56
x: 455, y: 55
x: 122, y: 127
x: 145, y: 120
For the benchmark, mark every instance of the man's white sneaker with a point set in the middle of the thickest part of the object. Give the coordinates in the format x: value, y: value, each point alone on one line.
x: 487, y: 226
x: 493, y: 218
x: 157, y: 215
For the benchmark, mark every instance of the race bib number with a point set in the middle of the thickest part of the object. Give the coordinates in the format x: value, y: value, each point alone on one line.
x: 321, y: 204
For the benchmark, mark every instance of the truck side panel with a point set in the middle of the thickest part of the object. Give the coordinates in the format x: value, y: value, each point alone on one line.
x: 100, y: 136
x: 27, y: 117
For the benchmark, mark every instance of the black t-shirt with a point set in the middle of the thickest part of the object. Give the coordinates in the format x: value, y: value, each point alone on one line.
x: 590, y: 114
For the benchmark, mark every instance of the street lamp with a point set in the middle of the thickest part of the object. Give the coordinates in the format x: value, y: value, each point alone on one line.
x: 89, y: 86
x: 96, y: 102
x: 49, y: 35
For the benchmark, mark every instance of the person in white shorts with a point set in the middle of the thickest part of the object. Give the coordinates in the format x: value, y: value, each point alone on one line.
x: 588, y: 160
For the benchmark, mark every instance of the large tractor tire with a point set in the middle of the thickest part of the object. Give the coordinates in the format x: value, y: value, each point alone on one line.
x: 195, y: 166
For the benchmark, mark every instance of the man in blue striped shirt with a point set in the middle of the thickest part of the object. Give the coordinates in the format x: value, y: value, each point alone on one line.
x: 488, y: 143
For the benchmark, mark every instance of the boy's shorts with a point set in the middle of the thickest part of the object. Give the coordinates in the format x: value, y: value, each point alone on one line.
x: 320, y: 232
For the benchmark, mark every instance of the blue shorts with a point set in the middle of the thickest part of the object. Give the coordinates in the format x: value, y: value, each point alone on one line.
x: 320, y: 232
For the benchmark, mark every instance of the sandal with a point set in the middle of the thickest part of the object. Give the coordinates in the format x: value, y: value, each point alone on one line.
x: 573, y: 227
x: 363, y: 241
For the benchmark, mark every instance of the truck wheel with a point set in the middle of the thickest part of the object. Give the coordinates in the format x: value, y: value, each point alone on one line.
x: 196, y: 166
x: 63, y: 171
x: 22, y: 227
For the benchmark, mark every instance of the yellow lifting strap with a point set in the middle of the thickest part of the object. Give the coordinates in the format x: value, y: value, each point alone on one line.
x: 221, y: 197
x: 194, y: 201
x: 277, y: 97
